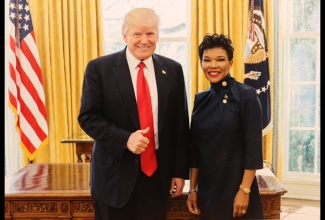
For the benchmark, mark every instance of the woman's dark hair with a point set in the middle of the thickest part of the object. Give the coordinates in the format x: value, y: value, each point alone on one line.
x: 216, y: 40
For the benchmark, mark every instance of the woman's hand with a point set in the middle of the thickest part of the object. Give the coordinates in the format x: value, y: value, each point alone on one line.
x: 192, y: 203
x: 240, y: 203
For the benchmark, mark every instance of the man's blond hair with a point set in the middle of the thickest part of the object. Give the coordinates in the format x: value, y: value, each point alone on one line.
x: 141, y: 17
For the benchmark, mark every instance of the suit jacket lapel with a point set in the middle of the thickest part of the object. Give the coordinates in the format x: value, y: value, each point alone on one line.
x: 161, y: 73
x: 124, y: 82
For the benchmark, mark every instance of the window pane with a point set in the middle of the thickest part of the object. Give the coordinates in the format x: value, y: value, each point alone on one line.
x: 318, y: 152
x: 113, y: 47
x: 303, y: 59
x: 173, y: 16
x: 302, y: 106
x: 306, y: 15
x: 301, y: 151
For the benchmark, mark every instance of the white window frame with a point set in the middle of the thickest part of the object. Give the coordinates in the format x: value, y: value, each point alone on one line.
x: 299, y: 185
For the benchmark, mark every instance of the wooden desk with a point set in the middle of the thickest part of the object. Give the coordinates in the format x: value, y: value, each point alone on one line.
x: 49, y: 191
x: 271, y: 191
x: 61, y: 191
x: 84, y: 146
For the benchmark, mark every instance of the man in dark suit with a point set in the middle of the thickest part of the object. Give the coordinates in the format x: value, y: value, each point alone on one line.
x: 109, y: 114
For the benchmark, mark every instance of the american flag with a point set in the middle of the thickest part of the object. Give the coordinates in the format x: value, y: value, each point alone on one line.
x: 26, y: 93
x: 256, y: 61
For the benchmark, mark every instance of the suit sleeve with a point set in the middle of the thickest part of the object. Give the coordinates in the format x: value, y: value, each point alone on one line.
x: 92, y: 116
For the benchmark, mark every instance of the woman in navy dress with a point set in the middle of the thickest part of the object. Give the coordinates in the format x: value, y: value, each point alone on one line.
x: 226, y: 149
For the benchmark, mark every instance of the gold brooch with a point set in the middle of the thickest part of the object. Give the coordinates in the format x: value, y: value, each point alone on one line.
x: 225, y: 98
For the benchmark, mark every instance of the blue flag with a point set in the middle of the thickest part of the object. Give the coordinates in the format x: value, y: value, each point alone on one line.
x: 256, y: 61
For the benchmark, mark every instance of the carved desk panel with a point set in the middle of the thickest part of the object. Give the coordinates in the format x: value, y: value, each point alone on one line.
x: 61, y: 191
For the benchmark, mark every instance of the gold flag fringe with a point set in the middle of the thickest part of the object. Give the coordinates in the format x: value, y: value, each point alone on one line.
x: 267, y: 129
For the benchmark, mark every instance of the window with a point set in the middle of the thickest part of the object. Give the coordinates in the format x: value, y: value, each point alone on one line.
x: 301, y: 98
x: 173, y: 35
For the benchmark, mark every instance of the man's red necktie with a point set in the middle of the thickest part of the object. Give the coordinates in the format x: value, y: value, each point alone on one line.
x: 148, y: 157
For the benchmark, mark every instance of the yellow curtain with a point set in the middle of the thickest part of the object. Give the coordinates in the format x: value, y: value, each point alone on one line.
x: 229, y: 17
x: 68, y: 34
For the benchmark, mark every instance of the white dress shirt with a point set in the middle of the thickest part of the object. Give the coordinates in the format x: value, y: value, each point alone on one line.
x: 149, y: 73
